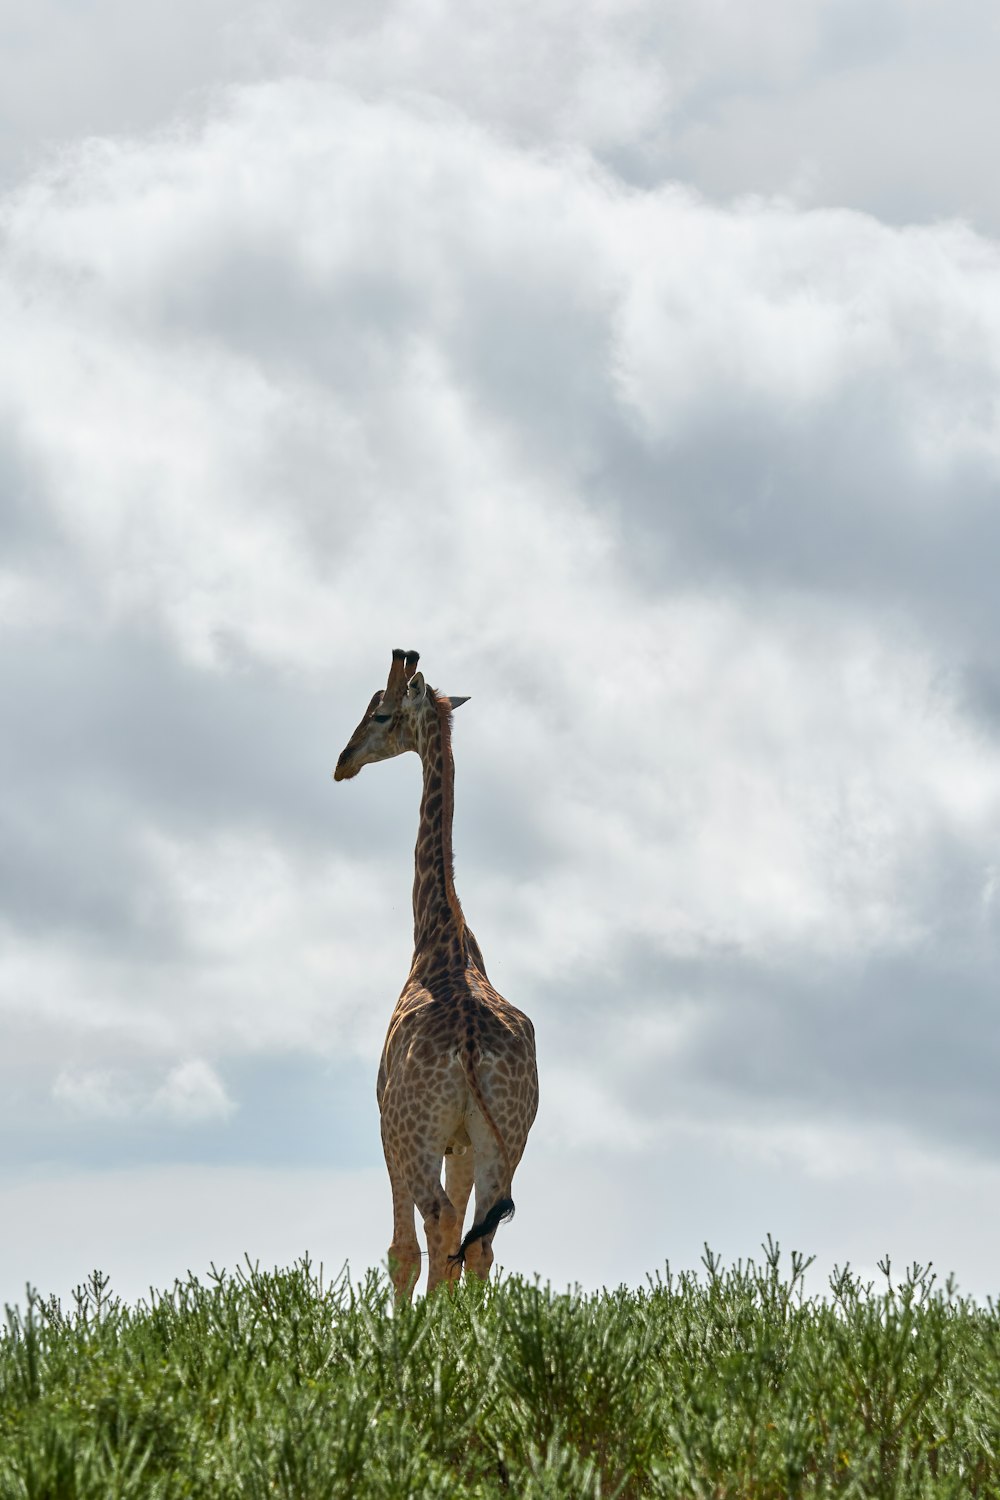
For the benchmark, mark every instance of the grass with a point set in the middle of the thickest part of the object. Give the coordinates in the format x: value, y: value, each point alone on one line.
x: 732, y: 1382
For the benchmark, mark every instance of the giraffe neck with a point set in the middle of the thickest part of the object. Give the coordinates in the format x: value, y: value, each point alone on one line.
x: 439, y: 930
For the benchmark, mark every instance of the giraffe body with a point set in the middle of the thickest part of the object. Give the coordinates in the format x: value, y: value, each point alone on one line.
x: 457, y: 1082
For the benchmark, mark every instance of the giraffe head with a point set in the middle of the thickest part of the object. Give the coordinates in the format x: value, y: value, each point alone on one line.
x: 391, y: 721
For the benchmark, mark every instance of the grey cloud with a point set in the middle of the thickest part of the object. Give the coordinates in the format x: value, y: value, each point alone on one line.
x: 910, y: 1039
x: 27, y: 534
x: 832, y: 502
x: 979, y: 687
x: 110, y: 735
x: 103, y: 67
x: 343, y: 330
x: 493, y: 816
x: 829, y: 491
x: 907, y: 1039
x: 882, y: 107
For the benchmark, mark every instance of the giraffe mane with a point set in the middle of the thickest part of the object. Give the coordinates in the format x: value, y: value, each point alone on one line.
x: 443, y: 708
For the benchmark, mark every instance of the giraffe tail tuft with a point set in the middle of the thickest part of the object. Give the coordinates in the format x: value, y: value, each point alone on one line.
x: 501, y: 1211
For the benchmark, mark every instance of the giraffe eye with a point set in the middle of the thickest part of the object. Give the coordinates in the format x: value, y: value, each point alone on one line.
x: 381, y: 718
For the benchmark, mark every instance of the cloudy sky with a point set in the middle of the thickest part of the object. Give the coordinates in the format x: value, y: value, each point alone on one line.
x: 639, y: 364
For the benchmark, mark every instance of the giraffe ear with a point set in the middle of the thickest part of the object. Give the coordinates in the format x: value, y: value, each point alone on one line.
x: 415, y: 688
x: 454, y: 703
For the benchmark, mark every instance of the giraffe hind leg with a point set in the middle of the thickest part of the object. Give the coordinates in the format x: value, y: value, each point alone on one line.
x: 404, y: 1252
x: 458, y: 1178
x: 419, y: 1177
x: 493, y: 1201
x: 441, y: 1226
x: 476, y: 1250
x: 421, y: 1132
x: 404, y: 1266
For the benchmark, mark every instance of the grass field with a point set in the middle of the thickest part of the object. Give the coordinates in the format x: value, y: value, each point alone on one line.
x: 731, y: 1382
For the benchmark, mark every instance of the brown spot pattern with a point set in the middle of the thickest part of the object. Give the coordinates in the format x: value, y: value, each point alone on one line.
x: 458, y: 1059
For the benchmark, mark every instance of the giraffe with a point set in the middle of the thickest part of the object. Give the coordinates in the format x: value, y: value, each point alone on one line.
x: 457, y: 1081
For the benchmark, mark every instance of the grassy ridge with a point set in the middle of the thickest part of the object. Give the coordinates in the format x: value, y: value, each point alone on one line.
x: 730, y: 1383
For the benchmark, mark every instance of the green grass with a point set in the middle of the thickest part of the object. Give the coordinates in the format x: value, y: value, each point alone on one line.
x: 732, y: 1382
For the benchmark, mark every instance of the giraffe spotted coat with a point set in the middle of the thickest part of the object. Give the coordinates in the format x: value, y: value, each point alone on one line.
x: 457, y: 1082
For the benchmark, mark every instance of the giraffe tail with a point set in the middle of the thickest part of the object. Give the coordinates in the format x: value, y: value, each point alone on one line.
x: 477, y: 1093
x: 502, y: 1210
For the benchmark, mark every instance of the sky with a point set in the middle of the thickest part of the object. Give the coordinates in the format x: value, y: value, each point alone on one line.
x: 639, y: 365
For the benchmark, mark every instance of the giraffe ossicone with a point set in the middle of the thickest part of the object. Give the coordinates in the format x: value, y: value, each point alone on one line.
x: 457, y: 1083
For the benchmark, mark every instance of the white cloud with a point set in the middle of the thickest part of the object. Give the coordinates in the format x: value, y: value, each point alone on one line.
x: 882, y: 106
x: 789, y: 309
x: 282, y: 952
x: 275, y: 952
x: 94, y: 1094
x: 784, y: 787
x: 190, y: 1093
